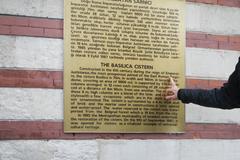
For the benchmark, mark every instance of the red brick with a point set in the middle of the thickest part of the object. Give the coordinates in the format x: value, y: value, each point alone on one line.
x: 57, y: 75
x: 7, y: 20
x: 30, y: 83
x: 46, y: 23
x: 21, y: 80
x: 216, y: 127
x: 229, y: 46
x: 229, y: 3
x: 6, y: 125
x: 196, y: 36
x: 13, y: 21
x: 54, y: 130
x: 13, y: 73
x: 206, y: 44
x: 215, y: 83
x: 61, y: 24
x: 67, y: 135
x: 40, y: 74
x: 218, y: 38
x: 9, y: 82
x: 191, y: 127
x: 6, y: 135
x: 50, y: 134
x: 209, y: 135
x: 58, y: 84
x: 207, y: 1
x: 197, y: 83
x: 25, y: 78
x: 234, y: 39
x: 230, y: 135
x: 52, y: 126
x: 22, y: 21
x: 190, y: 43
x: 53, y: 33
x: 5, y: 30
x: 36, y: 83
x: 26, y: 31
x: 204, y: 84
x: 31, y: 125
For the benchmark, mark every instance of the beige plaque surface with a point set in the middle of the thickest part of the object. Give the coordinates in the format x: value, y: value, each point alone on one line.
x: 118, y: 57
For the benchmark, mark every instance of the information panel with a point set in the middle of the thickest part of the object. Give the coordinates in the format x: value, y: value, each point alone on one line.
x: 118, y: 57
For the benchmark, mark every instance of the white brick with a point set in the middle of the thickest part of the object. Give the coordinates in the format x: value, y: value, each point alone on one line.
x: 48, y: 150
x: 7, y: 51
x: 231, y: 150
x: 17, y: 103
x: 36, y: 8
x: 209, y: 149
x: 29, y: 52
x: 199, y: 114
x: 199, y: 17
x: 120, y: 149
x: 213, y: 19
x: 210, y: 63
x: 139, y: 150
x: 170, y: 150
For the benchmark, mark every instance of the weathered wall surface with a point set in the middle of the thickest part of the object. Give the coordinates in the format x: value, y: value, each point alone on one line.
x: 31, y: 94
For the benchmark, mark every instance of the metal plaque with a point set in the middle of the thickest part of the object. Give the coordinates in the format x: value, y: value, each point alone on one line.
x: 118, y: 57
